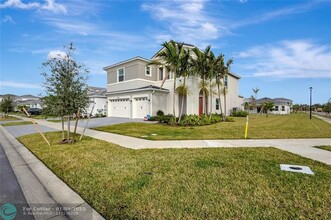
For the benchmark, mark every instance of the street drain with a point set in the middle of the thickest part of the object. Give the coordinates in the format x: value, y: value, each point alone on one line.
x: 296, y: 169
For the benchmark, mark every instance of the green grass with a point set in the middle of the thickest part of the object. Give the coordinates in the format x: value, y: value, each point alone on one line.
x: 260, y: 127
x: 17, y: 123
x: 324, y: 147
x: 214, y: 183
x: 8, y: 118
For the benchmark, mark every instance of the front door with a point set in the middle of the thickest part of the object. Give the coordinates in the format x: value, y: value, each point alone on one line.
x: 200, y: 105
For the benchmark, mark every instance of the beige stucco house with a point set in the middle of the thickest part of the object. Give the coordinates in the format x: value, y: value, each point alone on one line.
x: 134, y: 91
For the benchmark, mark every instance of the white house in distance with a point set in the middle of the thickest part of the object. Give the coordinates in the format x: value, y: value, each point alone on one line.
x: 133, y: 91
x: 98, y: 99
x: 282, y: 106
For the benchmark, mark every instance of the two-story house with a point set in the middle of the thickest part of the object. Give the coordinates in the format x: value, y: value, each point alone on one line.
x: 134, y: 91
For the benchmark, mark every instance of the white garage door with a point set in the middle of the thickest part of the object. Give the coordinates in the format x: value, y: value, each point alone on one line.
x: 141, y: 107
x: 120, y: 108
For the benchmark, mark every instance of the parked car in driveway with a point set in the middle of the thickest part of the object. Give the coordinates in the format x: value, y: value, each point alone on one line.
x: 34, y: 111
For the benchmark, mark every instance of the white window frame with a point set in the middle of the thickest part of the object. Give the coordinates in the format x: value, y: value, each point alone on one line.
x: 150, y: 70
x: 118, y: 76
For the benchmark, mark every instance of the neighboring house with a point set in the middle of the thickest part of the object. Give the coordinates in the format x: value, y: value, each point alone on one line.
x: 133, y: 91
x: 29, y: 101
x: 282, y: 106
x: 98, y: 99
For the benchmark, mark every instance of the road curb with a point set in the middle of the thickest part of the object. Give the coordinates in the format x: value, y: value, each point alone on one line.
x: 41, y: 186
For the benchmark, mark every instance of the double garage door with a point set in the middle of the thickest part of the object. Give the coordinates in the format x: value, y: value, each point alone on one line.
x: 122, y: 107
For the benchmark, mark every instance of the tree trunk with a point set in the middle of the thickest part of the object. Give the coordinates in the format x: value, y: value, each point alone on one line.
x: 224, y: 103
x: 76, y: 123
x: 219, y: 97
x: 204, y: 96
x: 174, y: 97
x: 68, y: 128
x: 182, y: 104
x: 211, y: 99
x: 62, y: 121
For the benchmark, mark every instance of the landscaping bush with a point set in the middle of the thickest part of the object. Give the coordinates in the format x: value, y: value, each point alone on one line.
x: 240, y: 113
x: 159, y: 113
x: 167, y: 119
x: 153, y: 118
x: 189, y: 120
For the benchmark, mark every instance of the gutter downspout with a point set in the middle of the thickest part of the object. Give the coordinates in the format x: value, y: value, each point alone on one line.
x: 151, y: 108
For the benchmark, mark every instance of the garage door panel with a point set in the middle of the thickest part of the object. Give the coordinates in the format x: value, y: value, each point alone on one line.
x: 120, y: 108
x: 141, y: 107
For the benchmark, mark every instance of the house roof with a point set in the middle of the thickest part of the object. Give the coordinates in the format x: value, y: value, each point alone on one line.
x: 145, y: 88
x: 126, y: 61
x: 185, y: 44
x: 276, y: 101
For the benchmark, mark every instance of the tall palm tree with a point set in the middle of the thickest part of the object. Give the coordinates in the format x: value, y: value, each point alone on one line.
x: 220, y: 72
x: 185, y: 72
x: 171, y: 57
x: 256, y: 90
x: 202, y: 67
x: 227, y: 70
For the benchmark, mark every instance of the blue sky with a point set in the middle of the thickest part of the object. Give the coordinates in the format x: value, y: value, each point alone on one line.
x: 281, y: 47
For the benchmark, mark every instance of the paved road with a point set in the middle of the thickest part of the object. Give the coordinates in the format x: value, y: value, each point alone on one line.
x: 42, y: 189
x: 21, y: 130
x: 10, y: 190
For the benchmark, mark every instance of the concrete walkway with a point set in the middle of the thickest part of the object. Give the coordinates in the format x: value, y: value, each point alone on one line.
x: 48, y: 197
x: 302, y: 147
x: 328, y: 120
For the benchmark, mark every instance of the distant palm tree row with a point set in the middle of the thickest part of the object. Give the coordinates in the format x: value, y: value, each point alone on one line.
x: 185, y: 62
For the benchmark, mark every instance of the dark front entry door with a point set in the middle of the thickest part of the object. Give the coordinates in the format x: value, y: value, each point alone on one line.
x: 200, y: 105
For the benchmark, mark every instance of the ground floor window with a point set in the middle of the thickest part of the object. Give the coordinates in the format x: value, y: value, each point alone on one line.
x: 276, y: 108
x: 283, y: 108
x: 217, y: 104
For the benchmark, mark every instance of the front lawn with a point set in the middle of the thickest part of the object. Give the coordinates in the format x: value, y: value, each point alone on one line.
x: 260, y: 127
x: 215, y: 183
x: 17, y: 123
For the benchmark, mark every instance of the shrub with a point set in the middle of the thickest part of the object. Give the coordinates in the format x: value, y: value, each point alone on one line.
x: 153, y: 118
x: 159, y: 113
x: 240, y: 113
x: 189, y: 120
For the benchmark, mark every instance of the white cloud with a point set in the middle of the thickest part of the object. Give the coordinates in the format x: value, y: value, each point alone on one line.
x: 287, y: 59
x: 49, y: 5
x: 184, y: 21
x: 8, y: 19
x: 19, y: 85
x: 57, y: 54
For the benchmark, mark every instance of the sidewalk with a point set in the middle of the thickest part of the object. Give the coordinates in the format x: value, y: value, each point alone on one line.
x: 302, y: 147
x: 47, y: 196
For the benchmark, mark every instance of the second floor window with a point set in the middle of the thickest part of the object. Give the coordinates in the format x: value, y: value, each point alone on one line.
x: 161, y: 73
x: 226, y: 81
x: 148, y: 71
x: 120, y: 75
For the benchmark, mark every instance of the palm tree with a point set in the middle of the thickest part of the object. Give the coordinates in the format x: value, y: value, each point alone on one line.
x: 171, y: 57
x: 184, y: 71
x: 268, y: 106
x: 202, y: 67
x: 256, y: 90
x: 219, y: 75
x: 227, y: 70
